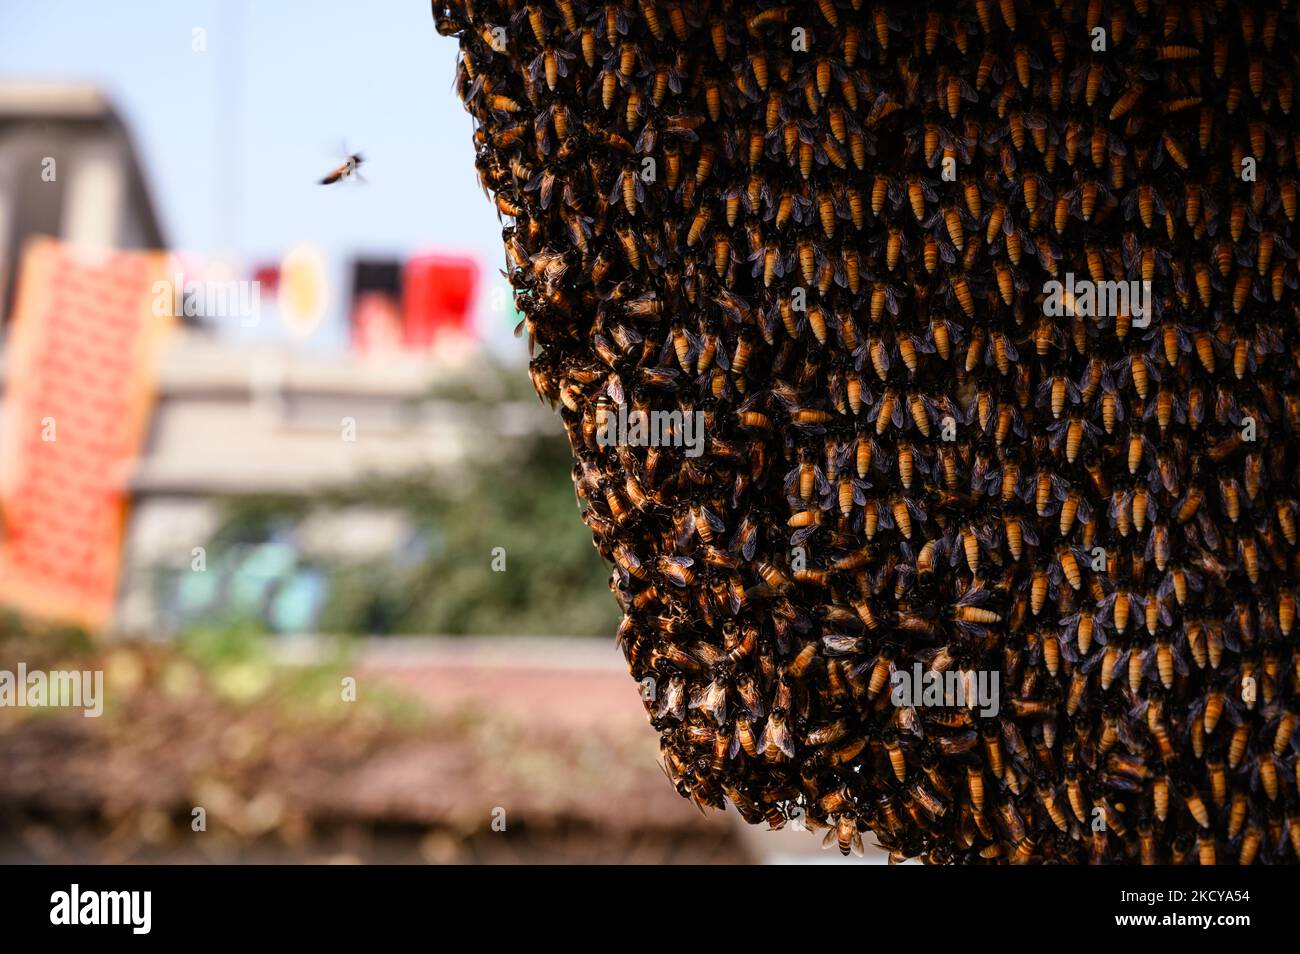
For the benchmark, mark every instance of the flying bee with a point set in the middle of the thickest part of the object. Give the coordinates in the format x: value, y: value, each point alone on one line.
x: 347, y: 169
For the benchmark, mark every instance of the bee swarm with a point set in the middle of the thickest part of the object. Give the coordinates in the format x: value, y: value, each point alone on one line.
x: 826, y: 229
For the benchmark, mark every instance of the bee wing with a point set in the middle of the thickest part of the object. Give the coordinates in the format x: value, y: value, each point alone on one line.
x: 1131, y: 737
x: 803, y: 533
x: 1165, y: 614
x: 1069, y: 649
x: 669, y: 351
x: 536, y: 65
x: 713, y: 520
x: 1092, y: 662
x: 860, y: 492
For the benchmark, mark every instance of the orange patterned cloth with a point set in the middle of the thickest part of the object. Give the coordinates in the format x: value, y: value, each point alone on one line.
x: 82, y: 364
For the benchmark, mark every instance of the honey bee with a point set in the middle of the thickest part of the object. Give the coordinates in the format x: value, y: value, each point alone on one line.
x: 845, y: 834
x: 349, y: 168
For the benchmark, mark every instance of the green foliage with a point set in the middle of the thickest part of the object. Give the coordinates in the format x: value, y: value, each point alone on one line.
x: 442, y: 580
x: 55, y: 638
x: 237, y: 662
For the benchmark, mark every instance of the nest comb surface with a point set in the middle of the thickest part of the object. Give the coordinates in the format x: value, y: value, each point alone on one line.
x: 824, y: 231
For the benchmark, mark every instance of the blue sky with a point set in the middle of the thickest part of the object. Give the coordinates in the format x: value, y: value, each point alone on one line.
x: 233, y: 139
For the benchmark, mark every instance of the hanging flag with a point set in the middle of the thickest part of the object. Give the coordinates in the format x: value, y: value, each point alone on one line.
x: 376, y: 315
x: 303, y: 290
x: 438, y: 292
x: 267, y: 277
x: 83, y: 352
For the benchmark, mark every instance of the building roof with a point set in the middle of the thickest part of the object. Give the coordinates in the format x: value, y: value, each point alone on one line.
x: 30, y: 99
x: 61, y: 102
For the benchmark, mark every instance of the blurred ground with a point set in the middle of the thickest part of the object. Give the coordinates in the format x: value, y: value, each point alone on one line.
x: 444, y: 736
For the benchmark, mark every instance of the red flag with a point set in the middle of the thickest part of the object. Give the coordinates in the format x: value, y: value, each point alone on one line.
x: 438, y: 294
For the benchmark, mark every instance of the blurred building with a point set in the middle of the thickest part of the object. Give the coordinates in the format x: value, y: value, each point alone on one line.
x: 235, y: 419
x: 67, y: 169
x: 236, y: 413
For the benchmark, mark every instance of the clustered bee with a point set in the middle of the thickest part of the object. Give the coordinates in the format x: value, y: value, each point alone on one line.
x: 826, y: 229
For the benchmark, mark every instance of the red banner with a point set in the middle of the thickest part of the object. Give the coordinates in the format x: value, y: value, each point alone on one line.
x: 437, y: 295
